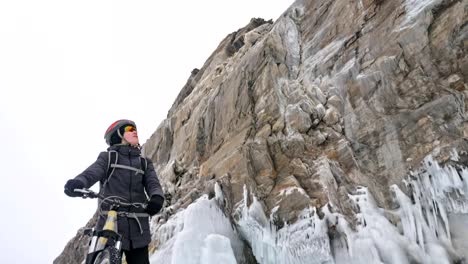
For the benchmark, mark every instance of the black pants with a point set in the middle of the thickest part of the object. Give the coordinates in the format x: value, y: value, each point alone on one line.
x: 137, y: 256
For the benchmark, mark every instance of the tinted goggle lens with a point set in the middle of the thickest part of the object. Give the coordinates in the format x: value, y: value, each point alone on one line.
x: 130, y: 129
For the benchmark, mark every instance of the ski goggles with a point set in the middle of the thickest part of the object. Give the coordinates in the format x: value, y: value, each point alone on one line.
x: 130, y: 129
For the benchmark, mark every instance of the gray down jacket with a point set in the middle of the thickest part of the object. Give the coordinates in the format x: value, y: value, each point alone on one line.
x: 128, y: 185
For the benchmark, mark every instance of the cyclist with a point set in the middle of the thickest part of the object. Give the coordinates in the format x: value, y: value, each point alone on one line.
x: 132, y: 178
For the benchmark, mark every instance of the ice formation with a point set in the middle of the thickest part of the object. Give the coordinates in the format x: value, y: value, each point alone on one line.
x: 428, y: 226
x: 199, y: 234
x: 418, y: 233
x: 305, y: 241
x: 414, y: 8
x: 423, y: 232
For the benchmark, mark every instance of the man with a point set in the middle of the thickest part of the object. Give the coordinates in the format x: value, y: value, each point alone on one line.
x: 122, y: 172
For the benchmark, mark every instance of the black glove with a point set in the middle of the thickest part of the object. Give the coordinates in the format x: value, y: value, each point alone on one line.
x: 154, y: 205
x: 72, y: 185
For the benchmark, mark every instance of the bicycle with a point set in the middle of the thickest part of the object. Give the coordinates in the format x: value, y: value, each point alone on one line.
x: 105, y: 245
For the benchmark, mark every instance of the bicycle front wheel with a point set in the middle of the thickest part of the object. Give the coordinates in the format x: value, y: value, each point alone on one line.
x: 109, y: 255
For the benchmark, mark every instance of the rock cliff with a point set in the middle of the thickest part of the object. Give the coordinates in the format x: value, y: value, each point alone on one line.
x: 348, y: 115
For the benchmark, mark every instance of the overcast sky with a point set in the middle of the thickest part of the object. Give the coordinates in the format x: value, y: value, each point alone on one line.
x: 68, y: 69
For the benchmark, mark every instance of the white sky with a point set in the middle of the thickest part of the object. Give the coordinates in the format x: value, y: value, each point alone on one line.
x: 70, y: 68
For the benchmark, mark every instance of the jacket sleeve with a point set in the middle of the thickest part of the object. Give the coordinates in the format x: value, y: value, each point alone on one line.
x: 151, y: 181
x: 95, y: 172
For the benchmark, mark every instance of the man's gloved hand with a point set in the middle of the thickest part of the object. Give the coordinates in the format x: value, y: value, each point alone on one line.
x: 72, y: 185
x: 154, y: 205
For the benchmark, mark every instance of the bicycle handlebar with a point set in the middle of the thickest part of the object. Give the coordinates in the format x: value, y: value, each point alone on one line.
x: 86, y: 193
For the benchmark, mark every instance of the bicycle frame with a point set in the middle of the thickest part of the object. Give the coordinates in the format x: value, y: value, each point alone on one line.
x: 108, y: 236
x: 108, y: 239
x: 100, y: 239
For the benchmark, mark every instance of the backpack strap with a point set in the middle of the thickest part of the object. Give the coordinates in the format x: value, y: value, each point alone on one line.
x: 112, y: 164
x: 143, y: 164
x: 125, y: 167
x: 113, y: 158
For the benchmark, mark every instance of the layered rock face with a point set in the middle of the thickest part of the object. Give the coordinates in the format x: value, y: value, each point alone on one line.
x: 340, y: 124
x: 332, y: 96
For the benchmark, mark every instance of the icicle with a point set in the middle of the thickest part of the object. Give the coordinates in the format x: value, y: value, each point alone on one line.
x: 219, y: 194
x: 454, y: 155
x: 429, y: 228
x: 304, y: 241
x: 437, y: 193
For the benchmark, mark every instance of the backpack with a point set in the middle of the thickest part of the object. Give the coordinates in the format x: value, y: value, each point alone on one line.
x: 112, y: 163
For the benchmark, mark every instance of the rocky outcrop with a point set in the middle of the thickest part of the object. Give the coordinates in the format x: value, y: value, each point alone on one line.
x: 333, y: 95
x: 366, y: 97
x: 336, y: 103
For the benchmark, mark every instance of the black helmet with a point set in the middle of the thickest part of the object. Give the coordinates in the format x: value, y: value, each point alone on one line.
x: 114, y: 127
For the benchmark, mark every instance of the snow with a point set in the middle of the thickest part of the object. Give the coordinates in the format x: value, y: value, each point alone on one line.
x: 290, y: 190
x: 414, y: 8
x: 428, y: 225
